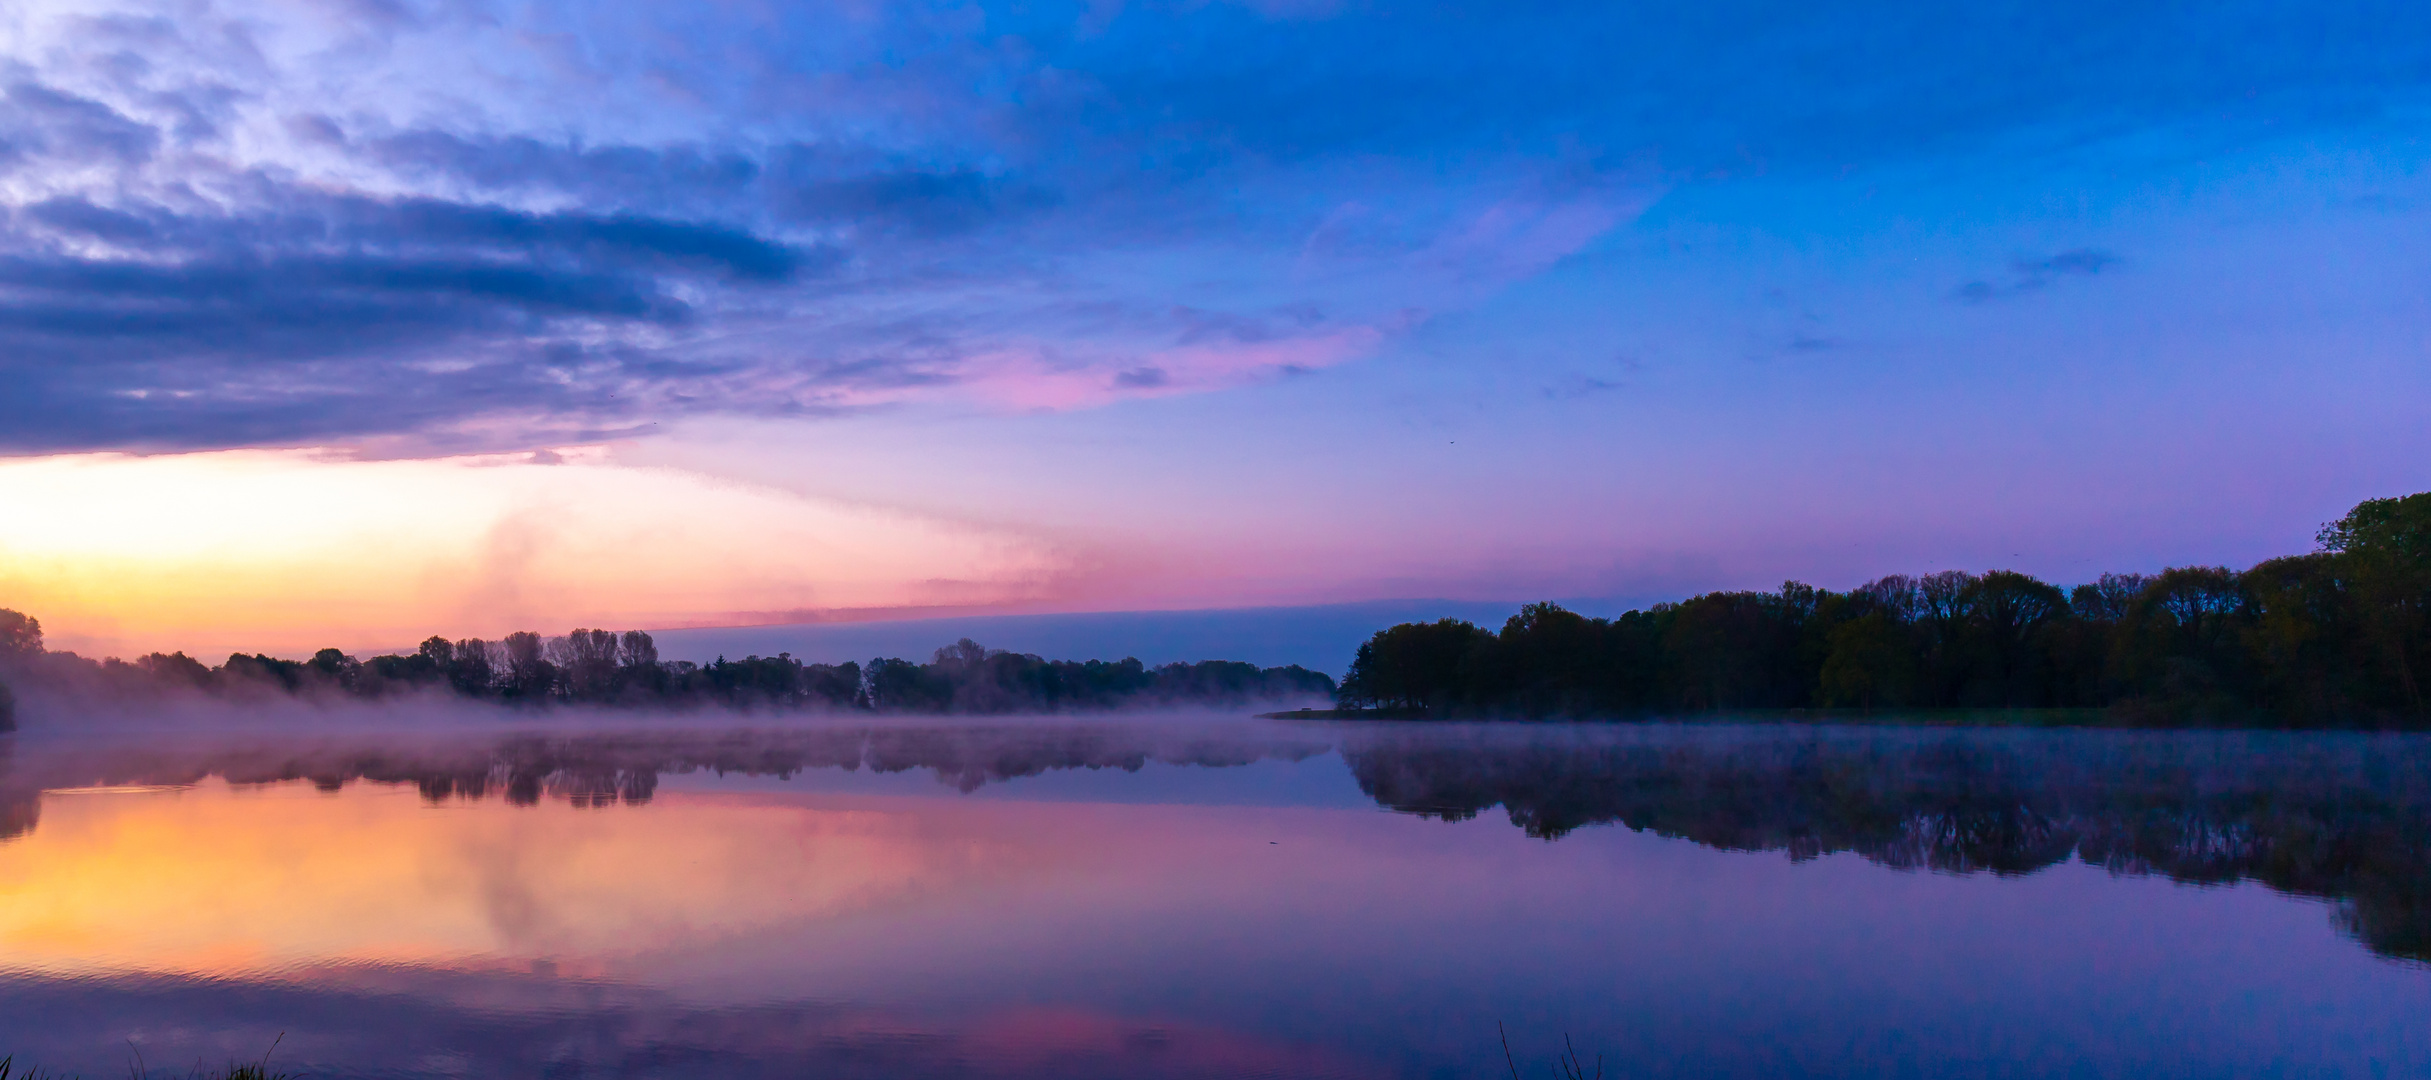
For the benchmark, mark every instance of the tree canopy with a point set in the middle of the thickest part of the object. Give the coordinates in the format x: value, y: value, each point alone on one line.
x: 602, y: 667
x: 2338, y: 636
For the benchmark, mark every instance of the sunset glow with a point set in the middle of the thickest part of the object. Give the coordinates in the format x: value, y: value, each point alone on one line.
x: 294, y: 550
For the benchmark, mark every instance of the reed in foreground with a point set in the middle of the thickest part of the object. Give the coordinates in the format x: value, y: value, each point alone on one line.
x: 251, y: 1070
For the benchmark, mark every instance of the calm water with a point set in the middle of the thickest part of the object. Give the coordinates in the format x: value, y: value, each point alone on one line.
x: 1219, y: 898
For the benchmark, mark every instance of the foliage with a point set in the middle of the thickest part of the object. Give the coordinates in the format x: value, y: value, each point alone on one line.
x: 624, y: 669
x: 2341, y: 636
x: 20, y: 635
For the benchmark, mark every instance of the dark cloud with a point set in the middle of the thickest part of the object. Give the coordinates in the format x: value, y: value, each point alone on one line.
x: 80, y: 217
x: 1143, y: 378
x: 299, y: 314
x: 224, y: 281
x: 2032, y: 274
x: 821, y: 184
x: 612, y: 238
x: 303, y: 220
x: 889, y: 194
x: 214, y: 304
x: 40, y: 122
x: 270, y: 311
x: 626, y: 176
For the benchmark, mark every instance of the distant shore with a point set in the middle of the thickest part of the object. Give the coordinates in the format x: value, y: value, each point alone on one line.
x: 2336, y: 638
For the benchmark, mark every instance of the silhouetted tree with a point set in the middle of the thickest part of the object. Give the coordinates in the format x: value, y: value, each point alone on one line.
x: 903, y: 686
x: 470, y: 668
x: 2009, y: 622
x: 2339, y: 636
x: 2107, y: 599
x: 176, y: 669
x: 1414, y: 665
x: 20, y: 635
x: 2385, y: 545
x: 1871, y: 662
x: 260, y: 672
x: 336, y: 667
x: 1738, y: 650
x: 528, y: 672
x: 587, y: 661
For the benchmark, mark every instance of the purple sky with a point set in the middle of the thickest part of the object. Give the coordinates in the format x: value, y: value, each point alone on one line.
x: 1118, y: 306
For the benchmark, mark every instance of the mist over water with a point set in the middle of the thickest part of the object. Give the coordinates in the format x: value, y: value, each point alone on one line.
x: 486, y: 893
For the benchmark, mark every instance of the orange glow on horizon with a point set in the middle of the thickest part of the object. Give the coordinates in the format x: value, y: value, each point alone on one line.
x: 287, y: 551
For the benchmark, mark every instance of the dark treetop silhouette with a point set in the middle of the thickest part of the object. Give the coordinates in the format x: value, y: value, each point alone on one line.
x: 2337, y: 637
x: 609, y: 668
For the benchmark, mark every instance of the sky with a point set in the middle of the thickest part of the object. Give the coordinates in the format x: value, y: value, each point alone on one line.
x: 348, y: 322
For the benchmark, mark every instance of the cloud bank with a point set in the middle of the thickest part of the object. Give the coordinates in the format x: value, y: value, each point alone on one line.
x: 470, y: 225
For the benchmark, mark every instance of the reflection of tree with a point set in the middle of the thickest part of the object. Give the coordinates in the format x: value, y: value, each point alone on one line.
x: 2342, y: 818
x: 597, y: 770
x: 20, y: 806
x: 2337, y: 816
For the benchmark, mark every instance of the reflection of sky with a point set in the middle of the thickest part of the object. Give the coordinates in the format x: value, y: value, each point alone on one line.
x: 888, y: 922
x: 1169, y: 305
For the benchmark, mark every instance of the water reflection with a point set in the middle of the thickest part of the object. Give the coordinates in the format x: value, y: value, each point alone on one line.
x: 609, y: 768
x: 2342, y: 817
x: 457, y: 1024
x: 740, y: 903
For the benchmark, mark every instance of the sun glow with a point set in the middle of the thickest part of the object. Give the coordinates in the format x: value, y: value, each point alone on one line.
x: 292, y: 550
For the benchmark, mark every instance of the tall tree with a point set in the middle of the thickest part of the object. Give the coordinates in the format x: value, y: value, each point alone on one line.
x: 20, y: 635
x: 2387, y: 546
x: 528, y: 672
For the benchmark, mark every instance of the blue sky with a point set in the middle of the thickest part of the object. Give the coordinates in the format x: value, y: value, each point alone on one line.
x: 1208, y: 305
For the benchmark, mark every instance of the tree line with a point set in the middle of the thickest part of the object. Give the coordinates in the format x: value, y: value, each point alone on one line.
x: 624, y: 669
x: 2336, y: 637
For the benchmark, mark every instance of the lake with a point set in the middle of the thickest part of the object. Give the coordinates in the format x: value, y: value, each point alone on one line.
x: 1208, y: 896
